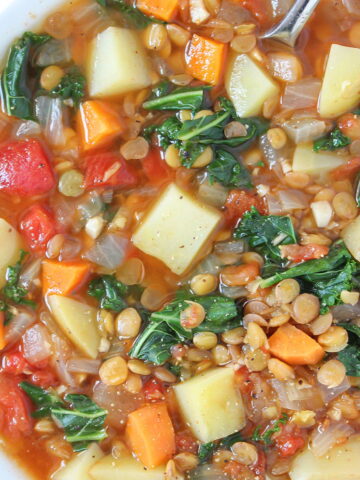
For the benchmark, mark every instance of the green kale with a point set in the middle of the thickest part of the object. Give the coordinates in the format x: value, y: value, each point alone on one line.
x: 131, y: 14
x: 71, y: 86
x: 267, y: 436
x: 15, y: 89
x: 228, y: 171
x: 185, y: 98
x: 334, y: 140
x: 81, y: 418
x: 207, y: 450
x: 350, y: 355
x: 109, y: 292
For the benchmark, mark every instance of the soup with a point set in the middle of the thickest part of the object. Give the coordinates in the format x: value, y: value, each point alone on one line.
x: 180, y: 236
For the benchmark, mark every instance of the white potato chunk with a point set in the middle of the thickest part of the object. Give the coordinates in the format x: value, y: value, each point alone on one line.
x: 317, y: 164
x: 248, y: 85
x: 351, y: 236
x: 117, y: 63
x: 78, y: 321
x: 127, y: 468
x: 340, y: 91
x: 176, y: 229
x: 341, y: 463
x: 11, y: 244
x: 78, y: 467
x: 211, y: 405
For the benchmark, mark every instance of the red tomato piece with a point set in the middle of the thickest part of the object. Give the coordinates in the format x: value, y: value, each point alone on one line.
x: 155, y: 168
x: 289, y: 443
x: 25, y: 168
x: 349, y: 170
x: 153, y: 390
x: 109, y: 170
x: 44, y: 379
x: 238, y: 202
x: 14, y: 363
x: 15, y: 407
x: 302, y: 253
x: 38, y: 226
x: 185, y: 442
x: 258, y: 8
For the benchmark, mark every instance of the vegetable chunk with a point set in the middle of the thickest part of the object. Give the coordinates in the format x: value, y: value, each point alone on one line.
x: 340, y: 90
x: 78, y: 321
x: 10, y: 248
x: 165, y: 10
x: 117, y: 64
x: 63, y: 277
x: 127, y: 468
x: 78, y: 467
x: 317, y: 164
x: 351, y: 236
x: 150, y: 434
x: 205, y: 59
x: 340, y: 463
x: 176, y: 229
x: 248, y: 85
x: 211, y: 405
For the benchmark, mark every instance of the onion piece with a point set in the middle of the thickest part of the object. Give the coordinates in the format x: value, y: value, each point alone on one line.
x: 36, y: 344
x: 70, y: 248
x: 208, y: 472
x: 346, y: 312
x: 301, y: 94
x: 233, y: 13
x: 61, y: 354
x: 83, y: 365
x: 213, y: 194
x: 198, y: 12
x: 328, y: 394
x: 50, y: 113
x: 233, y: 292
x: 231, y: 247
x: 29, y: 273
x: 27, y: 128
x: 17, y: 327
x: 304, y: 129
x: 352, y: 6
x: 53, y: 52
x: 274, y: 204
x: 109, y: 251
x: 64, y: 210
x: 324, y: 438
x: 273, y: 157
x: 293, y: 199
x: 294, y: 398
x: 281, y: 7
x: 90, y: 206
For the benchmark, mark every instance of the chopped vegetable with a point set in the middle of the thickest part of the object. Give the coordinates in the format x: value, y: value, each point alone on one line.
x: 109, y: 292
x: 151, y: 435
x: 133, y: 15
x: 350, y: 355
x: 266, y: 437
x: 206, y: 450
x: 303, y: 253
x: 318, y: 164
x: 78, y: 466
x: 98, y: 124
x: 72, y: 86
x: 294, y: 346
x: 38, y: 226
x: 63, y: 277
x: 228, y: 171
x: 159, y: 9
x: 239, y: 202
x: 82, y: 424
x: 14, y: 408
x: 334, y: 140
x: 205, y: 59
x: 348, y: 170
x: 187, y: 98
x: 125, y: 467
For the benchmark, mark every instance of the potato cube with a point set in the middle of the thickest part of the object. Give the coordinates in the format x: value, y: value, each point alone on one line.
x: 127, y: 468
x: 340, y: 91
x: 11, y: 244
x: 117, y: 63
x: 318, y: 164
x: 78, y: 467
x: 78, y: 321
x: 211, y: 404
x: 176, y: 229
x: 248, y: 85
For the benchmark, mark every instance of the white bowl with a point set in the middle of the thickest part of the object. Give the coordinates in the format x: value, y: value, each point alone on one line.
x: 17, y: 16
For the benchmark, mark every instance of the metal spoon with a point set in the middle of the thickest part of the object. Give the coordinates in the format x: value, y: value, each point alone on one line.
x: 288, y: 30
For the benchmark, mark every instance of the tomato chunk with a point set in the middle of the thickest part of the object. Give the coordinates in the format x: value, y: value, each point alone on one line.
x: 38, y: 226
x: 238, y: 202
x: 109, y: 170
x: 349, y: 170
x: 153, y: 390
x: 155, y: 168
x: 15, y: 407
x: 289, y: 443
x: 14, y: 363
x: 25, y: 168
x: 302, y: 253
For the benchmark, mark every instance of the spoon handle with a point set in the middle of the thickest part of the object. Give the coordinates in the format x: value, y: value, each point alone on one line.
x: 288, y: 30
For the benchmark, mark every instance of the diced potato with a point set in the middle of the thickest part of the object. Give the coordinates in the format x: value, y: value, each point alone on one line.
x: 341, y: 463
x: 211, y: 404
x: 351, y: 236
x: 248, y: 85
x: 117, y: 63
x: 78, y: 467
x: 78, y: 321
x: 176, y: 229
x: 11, y: 244
x: 126, y: 468
x: 340, y: 91
x: 316, y: 164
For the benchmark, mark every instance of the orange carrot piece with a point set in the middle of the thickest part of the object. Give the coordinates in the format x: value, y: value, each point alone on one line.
x: 63, y: 277
x: 294, y: 346
x: 150, y: 434
x: 98, y: 124
x: 2, y: 330
x: 163, y: 9
x: 205, y: 59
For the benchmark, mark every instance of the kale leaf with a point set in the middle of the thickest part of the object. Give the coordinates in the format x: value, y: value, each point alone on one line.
x: 15, y: 90
x: 334, y: 140
x: 81, y: 418
x: 207, y: 450
x: 350, y: 355
x: 71, y: 86
x: 228, y: 171
x: 185, y: 98
x: 266, y: 436
x: 109, y: 292
x: 131, y: 14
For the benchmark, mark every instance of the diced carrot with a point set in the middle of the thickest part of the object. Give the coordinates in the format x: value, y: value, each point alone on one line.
x: 163, y: 9
x: 205, y: 59
x: 302, y: 253
x: 294, y: 346
x: 98, y: 124
x: 63, y: 277
x: 2, y: 331
x: 349, y: 170
x: 151, y: 435
x: 240, y: 275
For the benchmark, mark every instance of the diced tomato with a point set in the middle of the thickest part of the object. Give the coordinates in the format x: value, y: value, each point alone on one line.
x: 238, y: 202
x: 14, y: 363
x: 38, y: 226
x: 260, y: 466
x: 349, y: 170
x: 15, y: 407
x: 155, y: 168
x: 258, y: 8
x: 236, y: 471
x: 25, y: 168
x: 153, y: 390
x: 186, y: 442
x: 242, y: 379
x: 302, y: 253
x: 109, y: 170
x: 289, y: 443
x: 43, y: 378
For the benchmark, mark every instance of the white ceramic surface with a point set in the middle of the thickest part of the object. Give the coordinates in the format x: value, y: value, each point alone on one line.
x: 16, y: 16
